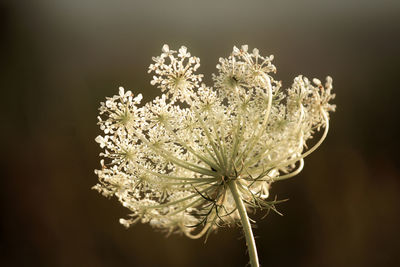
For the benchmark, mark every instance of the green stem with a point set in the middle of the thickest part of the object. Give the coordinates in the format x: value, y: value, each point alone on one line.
x: 248, y: 233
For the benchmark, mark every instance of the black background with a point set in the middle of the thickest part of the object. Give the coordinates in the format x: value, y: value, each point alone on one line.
x: 59, y: 59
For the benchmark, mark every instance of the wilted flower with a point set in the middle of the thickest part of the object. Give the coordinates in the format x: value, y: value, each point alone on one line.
x: 197, y: 157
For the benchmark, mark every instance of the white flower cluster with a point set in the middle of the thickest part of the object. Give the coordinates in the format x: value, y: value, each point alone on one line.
x: 170, y: 161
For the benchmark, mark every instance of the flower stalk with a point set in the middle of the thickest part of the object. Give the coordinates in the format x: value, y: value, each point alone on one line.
x: 248, y: 232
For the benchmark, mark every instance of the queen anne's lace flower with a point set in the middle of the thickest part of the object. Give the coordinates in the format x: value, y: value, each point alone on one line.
x: 170, y: 161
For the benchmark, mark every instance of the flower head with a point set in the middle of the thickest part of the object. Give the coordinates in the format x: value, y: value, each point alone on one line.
x: 175, y: 75
x: 170, y: 161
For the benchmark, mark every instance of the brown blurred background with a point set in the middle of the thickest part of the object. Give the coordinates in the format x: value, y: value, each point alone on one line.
x: 59, y: 59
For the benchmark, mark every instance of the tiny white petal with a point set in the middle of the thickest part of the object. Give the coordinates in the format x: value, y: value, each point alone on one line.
x: 165, y: 48
x: 316, y: 81
x: 121, y: 91
x: 183, y: 50
x: 256, y: 52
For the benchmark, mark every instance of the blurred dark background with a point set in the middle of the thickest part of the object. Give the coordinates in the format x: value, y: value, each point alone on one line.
x: 59, y: 59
